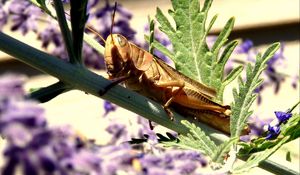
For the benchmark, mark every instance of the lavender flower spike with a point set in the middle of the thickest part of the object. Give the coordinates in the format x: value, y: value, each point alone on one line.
x: 274, y: 126
x: 282, y: 116
x: 3, y: 16
x: 109, y: 107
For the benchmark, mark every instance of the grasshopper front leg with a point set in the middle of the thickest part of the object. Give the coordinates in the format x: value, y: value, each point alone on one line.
x: 115, y: 81
x: 171, y: 83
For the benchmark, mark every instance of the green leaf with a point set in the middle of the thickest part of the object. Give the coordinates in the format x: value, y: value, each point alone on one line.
x: 191, y: 55
x: 222, y: 38
x: 212, y: 69
x: 151, y: 30
x: 254, y: 160
x: 233, y: 74
x: 216, y: 78
x: 186, y: 37
x: 244, y: 98
x: 78, y: 19
x: 160, y: 47
x: 42, y: 5
x: 211, y: 23
x: 222, y: 150
x: 194, y: 140
x: 66, y: 34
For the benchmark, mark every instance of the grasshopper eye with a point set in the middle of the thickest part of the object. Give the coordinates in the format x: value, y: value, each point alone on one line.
x: 121, y: 41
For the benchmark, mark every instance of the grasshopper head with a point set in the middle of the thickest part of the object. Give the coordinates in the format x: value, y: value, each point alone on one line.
x: 116, y: 54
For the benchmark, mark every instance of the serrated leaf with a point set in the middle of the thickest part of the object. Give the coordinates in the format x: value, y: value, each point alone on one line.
x: 211, y: 23
x: 244, y: 98
x: 227, y: 52
x: 222, y: 38
x: 222, y: 150
x: 233, y: 74
x: 206, y: 6
x: 160, y: 47
x: 194, y: 140
x: 249, y: 69
x: 186, y: 39
x: 192, y: 57
x: 212, y: 73
x: 240, y: 82
x: 165, y: 24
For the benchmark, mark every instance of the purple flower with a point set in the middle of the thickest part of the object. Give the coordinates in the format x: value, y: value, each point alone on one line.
x: 173, y: 162
x: 244, y: 47
x: 84, y: 161
x: 32, y: 145
x: 121, y: 25
x: 11, y: 86
x: 92, y: 4
x: 61, y: 52
x: 3, y: 16
x: 274, y: 126
x: 273, y: 132
x: 258, y: 91
x: 119, y: 133
x: 50, y: 34
x: 24, y: 16
x: 108, y: 107
x: 282, y: 116
x: 109, y: 9
x: 256, y: 126
x: 92, y: 58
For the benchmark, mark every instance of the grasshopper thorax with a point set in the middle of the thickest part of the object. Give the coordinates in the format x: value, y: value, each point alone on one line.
x: 116, y: 55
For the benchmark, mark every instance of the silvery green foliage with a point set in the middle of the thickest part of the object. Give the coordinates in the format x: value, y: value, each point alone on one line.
x: 191, y: 54
x: 244, y: 97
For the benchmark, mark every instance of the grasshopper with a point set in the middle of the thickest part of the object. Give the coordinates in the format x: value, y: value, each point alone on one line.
x: 150, y: 76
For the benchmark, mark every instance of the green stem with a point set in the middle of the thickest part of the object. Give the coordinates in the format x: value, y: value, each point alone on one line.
x: 66, y: 34
x: 291, y: 109
x: 276, y: 168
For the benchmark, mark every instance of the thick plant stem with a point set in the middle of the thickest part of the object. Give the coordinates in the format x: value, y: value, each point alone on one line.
x: 277, y: 168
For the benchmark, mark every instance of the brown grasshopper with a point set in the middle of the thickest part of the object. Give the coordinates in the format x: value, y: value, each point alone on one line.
x: 148, y: 75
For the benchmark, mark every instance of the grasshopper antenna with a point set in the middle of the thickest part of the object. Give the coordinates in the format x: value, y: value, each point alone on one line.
x: 112, y: 21
x: 95, y: 32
